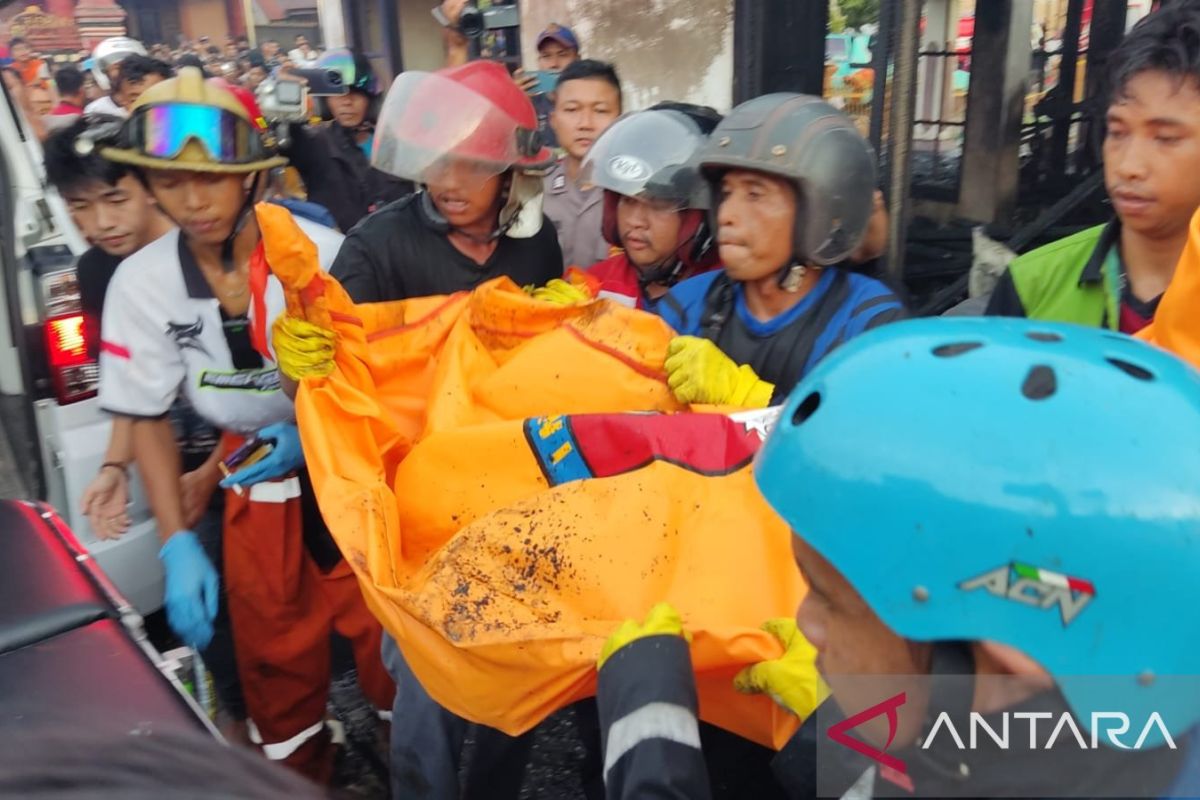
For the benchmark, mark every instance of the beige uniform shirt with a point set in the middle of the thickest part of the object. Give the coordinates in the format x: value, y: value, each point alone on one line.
x: 576, y: 214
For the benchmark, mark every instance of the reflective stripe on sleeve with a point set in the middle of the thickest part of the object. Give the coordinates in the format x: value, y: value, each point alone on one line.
x: 112, y: 348
x: 278, y: 751
x: 652, y: 721
x: 275, y: 491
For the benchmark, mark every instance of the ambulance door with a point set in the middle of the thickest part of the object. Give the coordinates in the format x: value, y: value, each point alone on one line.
x: 48, y: 384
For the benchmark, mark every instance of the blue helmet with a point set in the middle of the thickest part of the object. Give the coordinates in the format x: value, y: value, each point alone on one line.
x: 1031, y: 484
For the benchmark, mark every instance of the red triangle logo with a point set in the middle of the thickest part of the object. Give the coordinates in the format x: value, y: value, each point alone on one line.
x: 838, y: 732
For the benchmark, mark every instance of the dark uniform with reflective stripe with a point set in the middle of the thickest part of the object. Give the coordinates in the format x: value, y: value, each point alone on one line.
x: 648, y: 723
x: 782, y: 350
x: 648, y: 713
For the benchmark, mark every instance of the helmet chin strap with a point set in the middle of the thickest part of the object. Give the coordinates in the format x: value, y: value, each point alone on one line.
x: 243, y: 217
x: 491, y: 237
x: 669, y: 271
x: 791, y: 277
x: 951, y: 690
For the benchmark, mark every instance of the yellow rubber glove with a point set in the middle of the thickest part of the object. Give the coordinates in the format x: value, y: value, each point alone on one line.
x: 698, y: 372
x: 304, y: 350
x: 577, y: 288
x: 561, y: 293
x: 791, y: 680
x: 663, y: 619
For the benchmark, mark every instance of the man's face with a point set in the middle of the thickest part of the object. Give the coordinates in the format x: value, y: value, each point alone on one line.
x: 755, y: 222
x: 1152, y: 154
x: 302, y: 42
x: 255, y: 76
x: 649, y: 230
x: 131, y: 90
x: 583, y: 109
x: 349, y: 109
x: 464, y: 193
x: 114, y: 217
x: 21, y: 52
x: 852, y: 641
x: 269, y: 49
x: 204, y: 204
x: 554, y: 57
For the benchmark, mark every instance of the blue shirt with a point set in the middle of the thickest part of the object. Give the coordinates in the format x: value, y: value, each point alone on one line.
x: 784, y: 349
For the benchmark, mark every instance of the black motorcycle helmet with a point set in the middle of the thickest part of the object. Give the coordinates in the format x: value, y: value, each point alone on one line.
x: 810, y: 143
x: 648, y: 154
x: 357, y: 75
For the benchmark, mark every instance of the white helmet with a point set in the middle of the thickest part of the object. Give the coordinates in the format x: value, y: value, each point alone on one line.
x: 112, y: 51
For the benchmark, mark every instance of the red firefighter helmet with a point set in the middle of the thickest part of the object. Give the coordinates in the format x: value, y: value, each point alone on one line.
x: 473, y: 115
x: 247, y: 99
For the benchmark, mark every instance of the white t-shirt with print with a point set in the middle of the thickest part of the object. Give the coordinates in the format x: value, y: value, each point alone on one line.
x: 163, y: 331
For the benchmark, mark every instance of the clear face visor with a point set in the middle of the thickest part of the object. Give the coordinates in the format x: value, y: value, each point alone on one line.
x: 432, y: 130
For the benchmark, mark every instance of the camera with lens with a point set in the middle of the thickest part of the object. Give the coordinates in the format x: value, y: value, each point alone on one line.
x: 474, y: 21
x: 284, y: 98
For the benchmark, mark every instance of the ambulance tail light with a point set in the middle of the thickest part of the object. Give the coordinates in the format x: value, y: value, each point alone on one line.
x: 74, y: 373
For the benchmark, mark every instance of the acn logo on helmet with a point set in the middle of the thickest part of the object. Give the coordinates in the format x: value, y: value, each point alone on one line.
x: 1037, y: 587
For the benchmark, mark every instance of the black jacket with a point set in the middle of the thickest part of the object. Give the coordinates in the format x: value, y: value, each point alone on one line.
x: 402, y: 251
x: 338, y: 175
x: 652, y: 748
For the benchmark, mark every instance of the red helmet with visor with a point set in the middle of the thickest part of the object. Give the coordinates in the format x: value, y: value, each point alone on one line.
x: 472, y: 117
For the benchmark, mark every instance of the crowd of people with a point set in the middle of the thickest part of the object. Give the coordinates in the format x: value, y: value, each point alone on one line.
x: 95, y: 81
x: 756, y: 236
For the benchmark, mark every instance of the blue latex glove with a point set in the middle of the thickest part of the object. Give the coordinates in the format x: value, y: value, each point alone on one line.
x: 192, y: 587
x: 286, y: 456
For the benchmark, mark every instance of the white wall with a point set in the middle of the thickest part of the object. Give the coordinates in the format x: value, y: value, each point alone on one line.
x: 420, y: 35
x: 663, y: 49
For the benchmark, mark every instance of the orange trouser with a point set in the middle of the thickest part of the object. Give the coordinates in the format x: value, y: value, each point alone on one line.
x: 283, y: 610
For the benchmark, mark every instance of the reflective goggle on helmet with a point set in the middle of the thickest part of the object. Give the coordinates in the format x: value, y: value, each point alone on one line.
x: 164, y: 131
x: 192, y: 124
